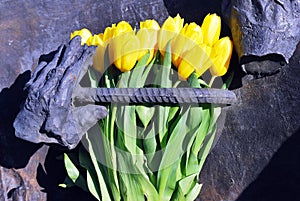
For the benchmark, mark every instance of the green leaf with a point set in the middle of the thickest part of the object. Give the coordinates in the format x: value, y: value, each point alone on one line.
x: 210, y: 136
x: 126, y: 122
x: 87, y: 163
x: 191, y: 196
x: 92, y: 186
x: 93, y: 78
x: 93, y: 167
x: 187, y: 183
x: 136, y: 80
x: 171, y: 159
x: 129, y: 185
x: 72, y: 171
x: 163, y: 75
x: 148, y: 68
x: 148, y: 188
x: 202, y: 82
x: 178, y: 195
x: 149, y: 144
x: 173, y: 111
x: 145, y: 114
x: 194, y: 124
x: 107, y: 63
x: 193, y: 165
x: 193, y: 81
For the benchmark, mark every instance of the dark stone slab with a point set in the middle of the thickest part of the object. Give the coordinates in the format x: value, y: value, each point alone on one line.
x: 243, y: 162
x: 263, y: 30
x: 258, y: 143
x: 28, y: 30
x: 32, y: 28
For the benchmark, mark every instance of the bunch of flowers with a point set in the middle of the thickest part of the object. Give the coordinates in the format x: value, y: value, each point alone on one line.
x: 144, y: 152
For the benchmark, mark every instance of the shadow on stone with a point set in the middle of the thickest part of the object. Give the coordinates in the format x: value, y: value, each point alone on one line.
x: 14, y: 152
x: 280, y: 178
x: 55, y: 175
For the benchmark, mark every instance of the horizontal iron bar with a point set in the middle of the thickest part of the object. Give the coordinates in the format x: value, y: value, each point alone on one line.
x: 157, y: 95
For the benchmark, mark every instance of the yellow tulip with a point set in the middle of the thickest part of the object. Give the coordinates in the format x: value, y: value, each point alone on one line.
x: 147, y: 36
x: 124, y: 51
x: 95, y: 40
x: 122, y: 27
x: 149, y: 24
x: 98, y: 60
x: 123, y: 46
x: 189, y: 36
x: 109, y: 33
x: 170, y: 28
x: 197, y: 59
x: 221, y: 54
x: 84, y: 33
x: 211, y: 28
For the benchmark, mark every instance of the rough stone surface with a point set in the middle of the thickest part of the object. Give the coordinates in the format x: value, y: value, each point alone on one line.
x: 255, y: 129
x: 243, y: 163
x: 263, y: 28
x: 32, y: 28
x: 28, y: 30
x: 48, y: 114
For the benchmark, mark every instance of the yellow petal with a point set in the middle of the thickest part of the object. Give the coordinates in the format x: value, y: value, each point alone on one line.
x: 94, y: 40
x: 178, y: 23
x: 148, y: 41
x: 109, y: 33
x: 149, y: 24
x: 205, y: 60
x: 221, y: 54
x: 185, y: 69
x: 98, y: 61
x: 170, y: 28
x: 190, y: 36
x: 196, y: 59
x: 194, y: 33
x: 211, y: 28
x: 122, y: 27
x: 84, y: 33
x: 124, y: 51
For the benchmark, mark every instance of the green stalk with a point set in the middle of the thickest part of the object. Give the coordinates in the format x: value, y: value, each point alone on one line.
x: 212, y: 81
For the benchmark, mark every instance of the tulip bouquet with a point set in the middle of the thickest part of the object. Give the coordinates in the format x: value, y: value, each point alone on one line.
x: 146, y: 152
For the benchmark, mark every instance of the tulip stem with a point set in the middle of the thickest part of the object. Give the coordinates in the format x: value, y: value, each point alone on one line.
x: 176, y: 84
x: 211, y: 81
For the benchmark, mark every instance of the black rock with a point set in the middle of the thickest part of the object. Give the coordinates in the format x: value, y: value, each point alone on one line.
x: 255, y: 129
x: 49, y: 114
x: 263, y: 30
x: 28, y: 30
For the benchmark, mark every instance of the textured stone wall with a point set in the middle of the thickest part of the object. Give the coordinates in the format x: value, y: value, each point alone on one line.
x: 28, y: 30
x: 255, y: 158
x: 260, y: 143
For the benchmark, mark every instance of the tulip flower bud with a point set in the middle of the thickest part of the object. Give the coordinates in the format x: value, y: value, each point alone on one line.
x: 98, y: 61
x: 124, y: 51
x: 147, y: 36
x: 84, y: 33
x: 221, y: 54
x: 211, y: 28
x: 109, y: 33
x: 197, y: 59
x: 149, y: 24
x: 189, y: 36
x: 169, y: 29
x: 95, y: 40
x: 122, y: 27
